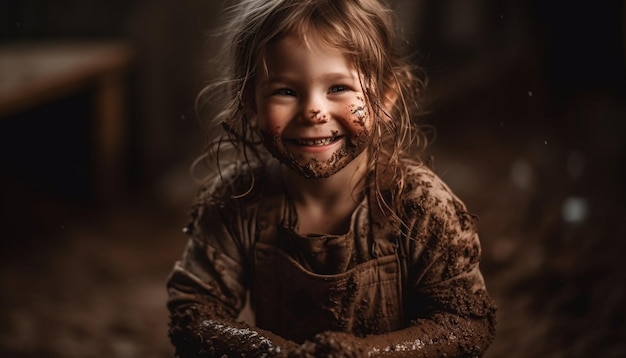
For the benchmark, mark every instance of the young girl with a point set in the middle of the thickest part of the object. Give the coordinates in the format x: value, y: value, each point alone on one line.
x: 346, y: 243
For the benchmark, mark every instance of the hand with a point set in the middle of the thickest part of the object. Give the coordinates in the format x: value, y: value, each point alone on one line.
x: 331, y: 345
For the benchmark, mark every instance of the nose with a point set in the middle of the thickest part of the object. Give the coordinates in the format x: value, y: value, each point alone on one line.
x: 314, y: 111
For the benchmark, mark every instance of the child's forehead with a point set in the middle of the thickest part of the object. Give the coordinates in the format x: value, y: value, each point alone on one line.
x: 309, y: 40
x: 291, y: 45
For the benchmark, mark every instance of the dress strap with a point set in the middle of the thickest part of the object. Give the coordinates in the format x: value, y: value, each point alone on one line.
x: 387, y: 230
x: 270, y: 208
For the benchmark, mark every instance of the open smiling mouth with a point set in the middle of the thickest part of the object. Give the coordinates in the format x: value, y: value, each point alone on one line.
x: 317, y: 142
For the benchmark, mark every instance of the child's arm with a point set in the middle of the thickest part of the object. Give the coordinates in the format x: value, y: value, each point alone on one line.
x: 463, y: 338
x: 457, y: 321
x: 207, y: 288
x: 448, y: 308
x: 464, y: 331
x: 203, y: 310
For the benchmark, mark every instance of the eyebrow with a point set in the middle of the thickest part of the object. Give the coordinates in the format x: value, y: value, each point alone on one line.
x: 340, y: 76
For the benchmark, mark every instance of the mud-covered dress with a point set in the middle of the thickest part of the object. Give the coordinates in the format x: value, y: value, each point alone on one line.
x: 394, y: 285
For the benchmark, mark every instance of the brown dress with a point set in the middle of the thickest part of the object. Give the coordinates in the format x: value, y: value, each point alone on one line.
x: 405, y: 283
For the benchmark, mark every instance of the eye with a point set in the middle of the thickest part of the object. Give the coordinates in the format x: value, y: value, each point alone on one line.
x: 285, y: 92
x: 338, y: 89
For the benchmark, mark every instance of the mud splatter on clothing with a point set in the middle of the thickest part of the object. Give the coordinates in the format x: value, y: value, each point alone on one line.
x: 401, y: 285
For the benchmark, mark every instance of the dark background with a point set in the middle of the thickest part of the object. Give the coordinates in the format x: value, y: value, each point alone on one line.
x: 528, y: 99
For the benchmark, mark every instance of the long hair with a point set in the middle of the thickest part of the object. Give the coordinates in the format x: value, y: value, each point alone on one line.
x: 364, y: 30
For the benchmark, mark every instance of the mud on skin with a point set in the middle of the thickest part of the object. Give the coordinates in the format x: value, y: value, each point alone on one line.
x: 360, y: 113
x: 197, y: 333
x: 313, y: 168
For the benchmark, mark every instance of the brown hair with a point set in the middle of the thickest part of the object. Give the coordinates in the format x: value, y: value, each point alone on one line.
x: 363, y: 29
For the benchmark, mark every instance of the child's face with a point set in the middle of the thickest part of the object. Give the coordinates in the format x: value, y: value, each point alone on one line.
x: 310, y: 107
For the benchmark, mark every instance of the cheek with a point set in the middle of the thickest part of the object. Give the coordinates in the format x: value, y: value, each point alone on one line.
x: 358, y: 117
x: 273, y: 120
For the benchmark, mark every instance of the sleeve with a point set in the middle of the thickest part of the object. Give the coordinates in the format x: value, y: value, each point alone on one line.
x: 207, y: 290
x: 448, y: 308
x: 450, y: 312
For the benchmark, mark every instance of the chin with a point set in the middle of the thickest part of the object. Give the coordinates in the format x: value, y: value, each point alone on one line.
x: 320, y: 169
x: 315, y: 168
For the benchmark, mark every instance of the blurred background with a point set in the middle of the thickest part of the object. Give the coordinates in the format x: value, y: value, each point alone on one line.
x: 98, y: 131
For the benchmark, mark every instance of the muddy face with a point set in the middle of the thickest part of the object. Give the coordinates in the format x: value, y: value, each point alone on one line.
x: 312, y: 167
x: 310, y: 108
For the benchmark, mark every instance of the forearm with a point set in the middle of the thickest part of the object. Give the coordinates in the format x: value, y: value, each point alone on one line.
x: 198, y: 331
x: 444, y: 335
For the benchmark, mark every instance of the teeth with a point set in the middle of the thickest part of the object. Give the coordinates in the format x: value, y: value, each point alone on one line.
x: 315, y: 142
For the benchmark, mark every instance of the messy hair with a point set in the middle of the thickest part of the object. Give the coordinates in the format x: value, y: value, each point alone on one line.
x: 365, y: 32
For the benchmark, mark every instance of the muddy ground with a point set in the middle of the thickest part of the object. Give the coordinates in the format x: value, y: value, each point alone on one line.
x: 545, y: 175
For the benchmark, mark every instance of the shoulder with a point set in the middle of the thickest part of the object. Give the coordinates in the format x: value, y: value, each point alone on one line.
x: 423, y: 195
x: 237, y: 183
x: 442, y: 236
x: 227, y: 196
